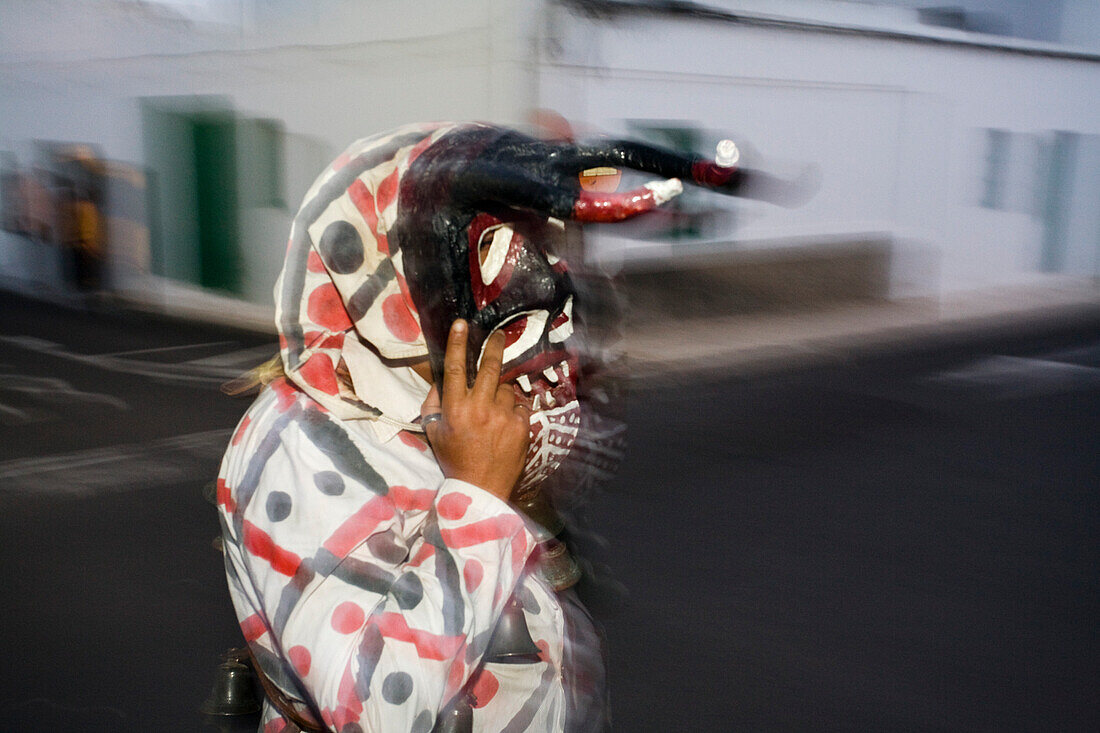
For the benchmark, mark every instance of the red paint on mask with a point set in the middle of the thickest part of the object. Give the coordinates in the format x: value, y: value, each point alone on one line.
x: 606, y: 208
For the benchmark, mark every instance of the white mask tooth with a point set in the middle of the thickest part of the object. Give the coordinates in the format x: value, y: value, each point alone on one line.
x: 550, y: 399
x: 535, y: 404
x: 524, y: 382
x: 565, y: 368
x: 550, y: 374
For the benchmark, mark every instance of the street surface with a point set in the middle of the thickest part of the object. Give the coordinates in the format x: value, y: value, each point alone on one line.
x: 909, y: 542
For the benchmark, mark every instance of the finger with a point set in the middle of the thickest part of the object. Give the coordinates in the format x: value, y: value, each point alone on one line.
x: 454, y: 362
x: 523, y: 412
x: 431, y: 407
x: 431, y: 402
x: 505, y: 396
x: 488, y: 374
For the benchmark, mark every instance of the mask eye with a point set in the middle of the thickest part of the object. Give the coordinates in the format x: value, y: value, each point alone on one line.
x: 600, y: 180
x: 492, y: 249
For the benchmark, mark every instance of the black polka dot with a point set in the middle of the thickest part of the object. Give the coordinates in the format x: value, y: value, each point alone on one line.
x: 329, y: 482
x: 527, y: 600
x: 407, y: 590
x: 341, y: 248
x: 278, y: 506
x: 423, y: 722
x: 397, y: 687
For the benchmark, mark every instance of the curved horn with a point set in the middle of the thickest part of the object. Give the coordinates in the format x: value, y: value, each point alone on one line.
x: 696, y: 169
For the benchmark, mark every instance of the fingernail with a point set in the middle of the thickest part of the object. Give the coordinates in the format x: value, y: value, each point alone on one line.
x: 458, y: 326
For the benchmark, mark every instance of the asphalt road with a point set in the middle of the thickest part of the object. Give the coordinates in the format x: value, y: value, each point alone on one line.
x: 904, y: 543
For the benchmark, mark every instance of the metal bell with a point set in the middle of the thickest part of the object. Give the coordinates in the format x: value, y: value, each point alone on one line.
x: 457, y: 718
x: 233, y: 692
x: 511, y: 642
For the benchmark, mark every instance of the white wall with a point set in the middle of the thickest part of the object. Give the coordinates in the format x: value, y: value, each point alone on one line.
x: 895, y: 125
x: 332, y: 71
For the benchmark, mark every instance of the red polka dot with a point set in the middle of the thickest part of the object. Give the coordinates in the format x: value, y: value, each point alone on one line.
x: 398, y: 319
x: 405, y: 293
x: 411, y: 440
x: 348, y: 618
x: 326, y: 309
x: 314, y: 263
x: 453, y: 506
x: 300, y: 658
x: 484, y: 688
x: 319, y: 373
x: 544, y: 649
x: 472, y: 572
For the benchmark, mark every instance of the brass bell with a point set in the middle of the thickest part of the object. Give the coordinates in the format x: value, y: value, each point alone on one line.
x: 557, y: 566
x: 233, y: 692
x: 511, y: 642
x: 536, y: 507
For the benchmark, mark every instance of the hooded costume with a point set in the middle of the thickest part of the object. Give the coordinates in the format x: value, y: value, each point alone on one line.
x: 368, y: 586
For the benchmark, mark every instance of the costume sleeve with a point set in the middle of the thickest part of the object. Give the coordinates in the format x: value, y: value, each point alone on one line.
x: 371, y: 603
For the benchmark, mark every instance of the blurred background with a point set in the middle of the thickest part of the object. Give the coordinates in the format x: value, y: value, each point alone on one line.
x: 868, y: 424
x: 957, y: 144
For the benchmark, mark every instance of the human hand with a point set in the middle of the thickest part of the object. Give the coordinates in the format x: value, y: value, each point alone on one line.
x: 482, y: 434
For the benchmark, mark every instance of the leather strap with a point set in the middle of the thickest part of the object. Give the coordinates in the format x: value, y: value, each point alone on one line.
x: 281, y: 702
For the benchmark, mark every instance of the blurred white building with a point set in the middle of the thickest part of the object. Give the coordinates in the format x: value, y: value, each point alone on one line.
x: 963, y: 140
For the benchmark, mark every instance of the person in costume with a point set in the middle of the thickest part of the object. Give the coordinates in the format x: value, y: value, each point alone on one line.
x: 392, y: 550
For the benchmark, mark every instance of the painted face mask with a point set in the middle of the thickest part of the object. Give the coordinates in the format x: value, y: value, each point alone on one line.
x: 410, y: 230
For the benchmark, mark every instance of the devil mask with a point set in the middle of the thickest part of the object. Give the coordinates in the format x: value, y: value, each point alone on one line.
x: 409, y: 230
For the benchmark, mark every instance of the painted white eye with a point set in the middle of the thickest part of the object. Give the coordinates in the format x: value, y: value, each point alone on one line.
x: 532, y: 332
x: 492, y: 250
x: 565, y: 329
